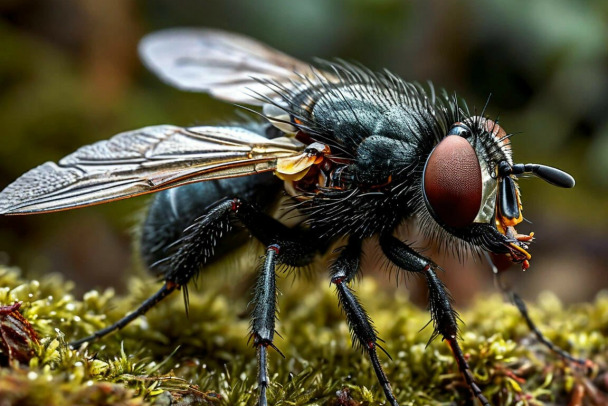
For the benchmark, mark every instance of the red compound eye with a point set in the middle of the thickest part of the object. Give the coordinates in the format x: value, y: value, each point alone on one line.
x: 452, y: 182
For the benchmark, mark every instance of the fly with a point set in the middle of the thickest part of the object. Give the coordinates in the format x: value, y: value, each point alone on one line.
x: 357, y: 153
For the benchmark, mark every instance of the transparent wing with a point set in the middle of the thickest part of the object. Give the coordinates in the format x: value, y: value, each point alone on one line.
x: 143, y: 161
x: 225, y: 65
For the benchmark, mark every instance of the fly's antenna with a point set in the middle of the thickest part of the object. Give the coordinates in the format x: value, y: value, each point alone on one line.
x: 549, y: 174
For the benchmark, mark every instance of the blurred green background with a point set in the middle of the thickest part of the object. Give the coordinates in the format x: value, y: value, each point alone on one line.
x: 70, y: 75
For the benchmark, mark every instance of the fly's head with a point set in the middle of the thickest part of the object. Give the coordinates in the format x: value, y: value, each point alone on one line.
x: 470, y: 189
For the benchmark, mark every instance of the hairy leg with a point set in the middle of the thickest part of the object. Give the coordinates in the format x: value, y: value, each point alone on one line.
x: 365, y: 336
x: 444, y: 317
x: 519, y: 303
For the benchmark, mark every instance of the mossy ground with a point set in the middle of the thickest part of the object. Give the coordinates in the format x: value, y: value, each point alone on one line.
x: 168, y: 358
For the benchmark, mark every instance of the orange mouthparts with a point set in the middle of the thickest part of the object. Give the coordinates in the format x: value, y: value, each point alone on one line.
x: 518, y: 248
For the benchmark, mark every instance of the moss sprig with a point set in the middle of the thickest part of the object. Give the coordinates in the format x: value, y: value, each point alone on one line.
x: 169, y: 358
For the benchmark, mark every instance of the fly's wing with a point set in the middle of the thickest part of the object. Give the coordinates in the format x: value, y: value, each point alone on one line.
x: 227, y: 66
x: 144, y: 161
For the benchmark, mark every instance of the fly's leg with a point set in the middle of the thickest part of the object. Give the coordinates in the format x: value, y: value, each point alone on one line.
x: 523, y: 309
x: 196, y: 246
x: 198, y: 242
x: 149, y: 303
x: 518, y: 302
x: 263, y: 317
x: 286, y: 246
x: 444, y: 317
x: 191, y: 251
x: 289, y: 246
x: 292, y: 247
x: 343, y: 270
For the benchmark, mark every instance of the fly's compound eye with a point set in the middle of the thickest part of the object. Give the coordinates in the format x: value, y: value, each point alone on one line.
x: 460, y: 129
x: 452, y: 183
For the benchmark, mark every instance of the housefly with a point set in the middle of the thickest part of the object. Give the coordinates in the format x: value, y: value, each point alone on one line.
x: 356, y: 153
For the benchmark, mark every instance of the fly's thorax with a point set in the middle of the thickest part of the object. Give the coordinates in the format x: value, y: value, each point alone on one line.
x: 339, y: 114
x: 375, y: 128
x: 382, y: 160
x: 348, y: 111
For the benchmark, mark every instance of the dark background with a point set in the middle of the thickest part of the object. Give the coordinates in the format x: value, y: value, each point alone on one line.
x: 69, y: 76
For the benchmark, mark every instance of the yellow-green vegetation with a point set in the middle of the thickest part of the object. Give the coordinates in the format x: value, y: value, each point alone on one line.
x: 168, y: 358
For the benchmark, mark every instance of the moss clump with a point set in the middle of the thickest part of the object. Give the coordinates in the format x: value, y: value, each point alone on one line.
x: 168, y: 358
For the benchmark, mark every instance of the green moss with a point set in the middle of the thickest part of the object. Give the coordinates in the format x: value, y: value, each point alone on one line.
x: 204, y: 359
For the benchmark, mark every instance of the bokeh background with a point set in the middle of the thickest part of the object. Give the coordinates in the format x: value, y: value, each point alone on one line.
x: 70, y: 75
